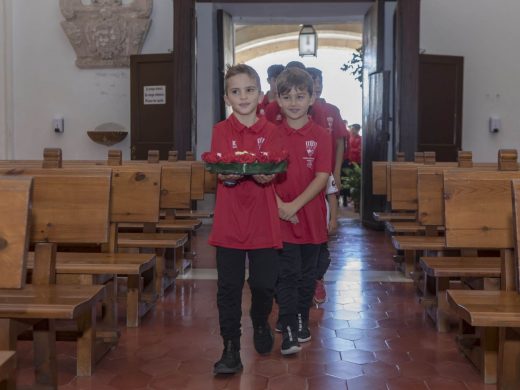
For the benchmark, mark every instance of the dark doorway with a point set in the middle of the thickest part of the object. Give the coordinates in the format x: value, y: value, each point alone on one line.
x: 440, y: 105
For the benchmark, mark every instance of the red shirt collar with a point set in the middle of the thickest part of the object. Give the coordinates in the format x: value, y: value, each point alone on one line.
x: 302, y: 130
x: 240, y: 127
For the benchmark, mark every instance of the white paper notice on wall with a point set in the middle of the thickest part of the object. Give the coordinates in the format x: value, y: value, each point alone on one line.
x: 154, y: 94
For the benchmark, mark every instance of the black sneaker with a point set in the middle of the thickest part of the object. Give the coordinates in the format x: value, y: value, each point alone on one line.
x: 304, y: 334
x: 290, y: 344
x: 263, y: 339
x: 230, y: 362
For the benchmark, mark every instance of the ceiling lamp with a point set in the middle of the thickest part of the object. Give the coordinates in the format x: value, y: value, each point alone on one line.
x: 307, y: 41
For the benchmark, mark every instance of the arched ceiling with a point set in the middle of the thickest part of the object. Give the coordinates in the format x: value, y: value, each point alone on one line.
x: 252, y: 41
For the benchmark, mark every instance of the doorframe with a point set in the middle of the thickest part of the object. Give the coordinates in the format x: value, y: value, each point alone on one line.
x: 406, y: 72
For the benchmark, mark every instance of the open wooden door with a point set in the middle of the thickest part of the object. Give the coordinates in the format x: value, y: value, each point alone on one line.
x: 226, y: 54
x: 376, y: 92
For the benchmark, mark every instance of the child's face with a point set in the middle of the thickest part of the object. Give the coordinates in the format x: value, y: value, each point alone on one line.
x: 242, y: 94
x: 295, y: 103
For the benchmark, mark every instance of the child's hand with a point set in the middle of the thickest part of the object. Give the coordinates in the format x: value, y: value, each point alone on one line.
x: 294, y: 220
x: 263, y: 179
x: 286, y: 211
x: 229, y: 177
x: 333, y: 227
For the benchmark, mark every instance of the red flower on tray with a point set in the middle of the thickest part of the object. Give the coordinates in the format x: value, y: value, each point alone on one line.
x: 246, y: 163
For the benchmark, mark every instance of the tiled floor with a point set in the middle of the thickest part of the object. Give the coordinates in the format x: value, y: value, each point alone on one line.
x: 371, y: 334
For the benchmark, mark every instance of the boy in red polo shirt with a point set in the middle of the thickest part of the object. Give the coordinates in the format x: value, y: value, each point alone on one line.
x: 246, y: 220
x: 301, y: 205
x: 272, y: 73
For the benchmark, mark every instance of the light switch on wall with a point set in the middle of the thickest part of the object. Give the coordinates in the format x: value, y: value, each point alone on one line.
x: 58, y: 124
x: 495, y: 124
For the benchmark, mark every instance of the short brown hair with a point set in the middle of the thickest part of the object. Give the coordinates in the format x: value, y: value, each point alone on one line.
x: 294, y: 78
x: 233, y: 70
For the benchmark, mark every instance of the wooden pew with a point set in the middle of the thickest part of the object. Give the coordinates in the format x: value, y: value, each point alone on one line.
x: 201, y: 182
x: 38, y: 305
x: 421, y: 187
x: 101, y: 268
x: 465, y: 265
x: 489, y: 225
x: 399, y: 191
x: 135, y: 199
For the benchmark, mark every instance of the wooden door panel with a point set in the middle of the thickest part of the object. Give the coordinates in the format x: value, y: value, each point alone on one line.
x: 152, y: 124
x: 440, y: 105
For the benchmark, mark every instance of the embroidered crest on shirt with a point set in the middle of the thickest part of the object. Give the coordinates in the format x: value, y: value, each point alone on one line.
x: 260, y: 141
x: 310, y: 147
x: 234, y: 144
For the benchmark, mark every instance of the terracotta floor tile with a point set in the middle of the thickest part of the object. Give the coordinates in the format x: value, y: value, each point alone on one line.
x: 344, y: 370
x: 320, y: 355
x: 404, y: 383
x: 439, y: 383
x: 271, y: 368
x: 338, y: 344
x: 357, y: 356
x: 326, y: 382
x: 366, y: 382
x: 372, y: 344
x: 380, y: 369
x: 287, y: 382
x: 415, y: 369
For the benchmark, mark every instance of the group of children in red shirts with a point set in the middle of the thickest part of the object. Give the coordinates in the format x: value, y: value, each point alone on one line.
x: 278, y: 221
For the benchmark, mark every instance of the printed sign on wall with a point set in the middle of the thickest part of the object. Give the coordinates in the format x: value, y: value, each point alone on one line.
x: 154, y: 94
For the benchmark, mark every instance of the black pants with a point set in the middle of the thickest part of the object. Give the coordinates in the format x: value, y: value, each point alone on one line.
x: 296, y: 282
x: 323, y: 261
x: 263, y: 273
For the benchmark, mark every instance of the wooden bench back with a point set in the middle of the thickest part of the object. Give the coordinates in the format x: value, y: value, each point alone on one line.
x: 430, y: 195
x: 478, y: 208
x: 135, y: 193
x: 176, y: 185
x: 135, y: 190
x: 515, y: 188
x: 403, y: 184
x: 379, y: 177
x: 68, y: 205
x: 15, y: 204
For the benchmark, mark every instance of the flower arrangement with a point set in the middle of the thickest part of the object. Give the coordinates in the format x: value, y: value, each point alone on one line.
x: 246, y: 163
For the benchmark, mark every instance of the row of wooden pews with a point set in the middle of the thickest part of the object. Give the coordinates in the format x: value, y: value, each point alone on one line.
x: 472, y: 205
x: 73, y: 216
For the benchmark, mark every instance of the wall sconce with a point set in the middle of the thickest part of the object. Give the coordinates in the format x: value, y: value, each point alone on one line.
x: 307, y: 41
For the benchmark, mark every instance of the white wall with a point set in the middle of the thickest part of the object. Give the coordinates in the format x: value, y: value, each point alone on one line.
x: 486, y: 34
x: 46, y: 83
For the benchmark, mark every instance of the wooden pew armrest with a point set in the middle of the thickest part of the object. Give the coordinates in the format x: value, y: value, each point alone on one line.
x: 486, y: 308
x: 483, y: 267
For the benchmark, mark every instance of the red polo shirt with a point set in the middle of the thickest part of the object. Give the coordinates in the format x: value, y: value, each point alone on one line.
x: 246, y: 215
x: 260, y: 109
x: 273, y: 113
x: 354, y: 149
x: 309, y: 153
x: 328, y: 116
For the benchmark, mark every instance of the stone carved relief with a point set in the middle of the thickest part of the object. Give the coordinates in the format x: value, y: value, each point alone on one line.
x: 104, y: 33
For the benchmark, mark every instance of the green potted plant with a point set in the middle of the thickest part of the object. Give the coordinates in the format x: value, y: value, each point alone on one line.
x: 352, y: 182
